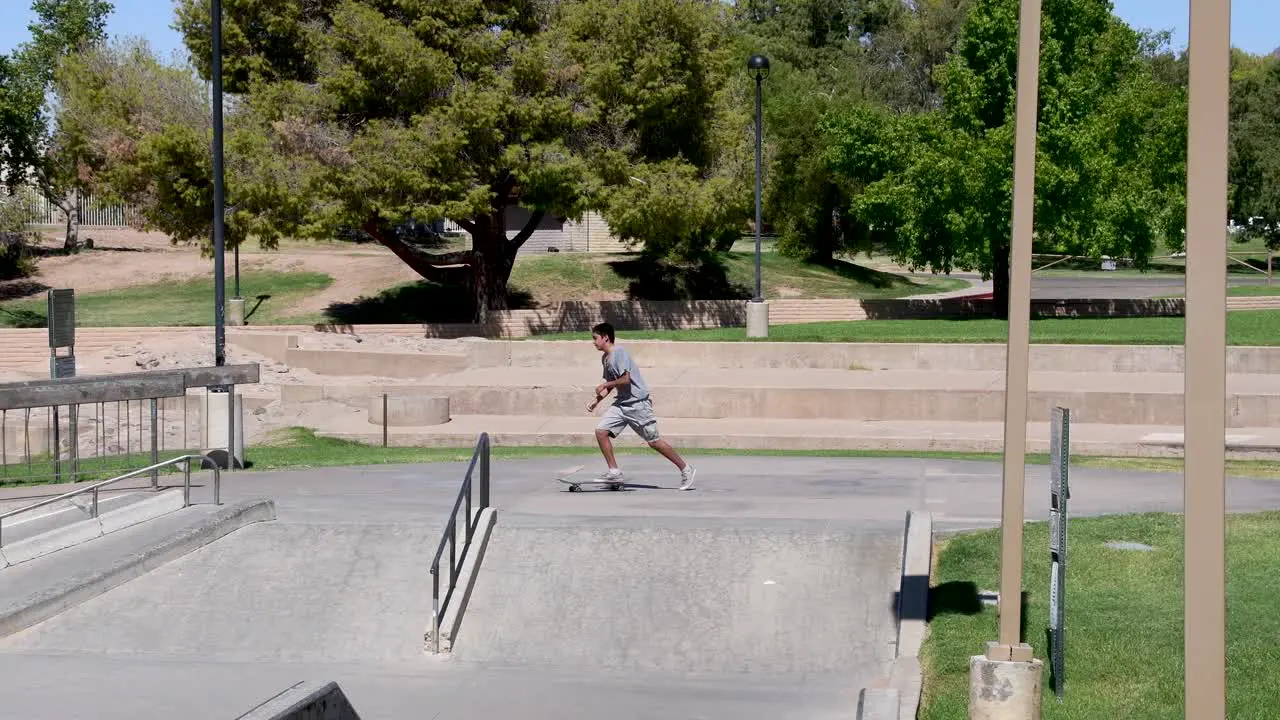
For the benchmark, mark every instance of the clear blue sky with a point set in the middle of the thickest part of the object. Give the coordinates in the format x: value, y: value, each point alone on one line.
x: 1255, y: 23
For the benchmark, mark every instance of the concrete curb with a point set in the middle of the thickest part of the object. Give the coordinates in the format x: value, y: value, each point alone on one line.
x: 44, y: 604
x: 451, y: 622
x: 897, y: 697
x: 162, y: 503
x: 306, y: 700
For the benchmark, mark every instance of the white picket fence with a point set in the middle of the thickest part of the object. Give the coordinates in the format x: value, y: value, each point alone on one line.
x: 91, y: 211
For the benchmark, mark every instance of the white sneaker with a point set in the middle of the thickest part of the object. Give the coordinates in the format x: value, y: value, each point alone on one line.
x: 686, y: 477
x: 612, y: 474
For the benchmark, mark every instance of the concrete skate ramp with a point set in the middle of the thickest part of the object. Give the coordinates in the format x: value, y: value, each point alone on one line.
x: 684, y: 600
x: 278, y: 592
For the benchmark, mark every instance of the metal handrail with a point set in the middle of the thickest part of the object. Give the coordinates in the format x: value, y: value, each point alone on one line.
x: 186, y: 487
x: 481, y: 455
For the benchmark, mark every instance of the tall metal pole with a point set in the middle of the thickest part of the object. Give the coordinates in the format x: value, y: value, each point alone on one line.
x: 759, y: 133
x: 219, y: 269
x: 1017, y: 362
x: 1204, y: 377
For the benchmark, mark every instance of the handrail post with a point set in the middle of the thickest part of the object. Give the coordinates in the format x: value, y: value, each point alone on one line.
x: 435, y: 605
x: 186, y: 482
x: 484, y: 472
x: 95, y: 503
x: 217, y: 485
x: 155, y: 443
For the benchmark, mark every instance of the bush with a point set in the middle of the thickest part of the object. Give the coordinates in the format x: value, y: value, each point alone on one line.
x: 16, y: 260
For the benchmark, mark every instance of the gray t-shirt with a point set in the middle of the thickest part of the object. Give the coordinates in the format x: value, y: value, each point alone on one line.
x: 615, y: 364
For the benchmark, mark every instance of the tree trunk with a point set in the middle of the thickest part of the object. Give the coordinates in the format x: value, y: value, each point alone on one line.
x: 71, y: 208
x: 1000, y: 281
x: 825, y: 235
x: 493, y: 256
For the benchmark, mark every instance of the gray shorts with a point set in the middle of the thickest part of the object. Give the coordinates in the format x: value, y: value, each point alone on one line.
x: 636, y: 415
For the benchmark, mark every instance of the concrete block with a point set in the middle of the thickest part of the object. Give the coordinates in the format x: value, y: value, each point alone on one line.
x: 878, y: 704
x: 757, y: 319
x: 409, y: 410
x: 214, y: 427
x: 50, y: 601
x: 1004, y: 689
x: 268, y: 344
x: 482, y: 352
x: 235, y: 311
x: 451, y: 621
x: 306, y: 701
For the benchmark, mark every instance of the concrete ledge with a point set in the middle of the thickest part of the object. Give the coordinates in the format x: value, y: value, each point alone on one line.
x: 306, y: 700
x: 451, y: 622
x: 913, y: 592
x: 82, y: 531
x: 375, y: 363
x: 878, y: 704
x: 409, y: 410
x: 44, y: 604
x: 274, y: 345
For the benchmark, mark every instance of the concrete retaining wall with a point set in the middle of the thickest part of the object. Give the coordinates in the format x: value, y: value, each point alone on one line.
x: 850, y: 403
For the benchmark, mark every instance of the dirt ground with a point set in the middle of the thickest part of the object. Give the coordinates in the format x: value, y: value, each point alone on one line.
x: 125, y: 258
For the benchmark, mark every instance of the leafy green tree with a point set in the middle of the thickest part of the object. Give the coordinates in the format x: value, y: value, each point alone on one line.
x: 830, y: 57
x: 368, y: 115
x: 1255, y: 150
x: 1109, y: 174
x: 141, y: 134
x: 37, y: 151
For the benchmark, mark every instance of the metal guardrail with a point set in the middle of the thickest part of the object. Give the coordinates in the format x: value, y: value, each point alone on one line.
x: 450, y: 540
x: 62, y: 429
x: 93, y: 510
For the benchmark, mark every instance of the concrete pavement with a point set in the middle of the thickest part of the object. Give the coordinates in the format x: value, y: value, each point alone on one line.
x: 636, y: 603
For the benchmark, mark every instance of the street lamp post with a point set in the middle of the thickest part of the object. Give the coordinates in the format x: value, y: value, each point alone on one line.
x: 757, y: 310
x: 219, y: 260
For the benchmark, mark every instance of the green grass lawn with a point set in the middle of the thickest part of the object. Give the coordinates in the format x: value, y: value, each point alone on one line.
x: 1124, y: 621
x: 1254, y: 290
x: 300, y: 448
x: 1259, y: 327
x: 268, y: 295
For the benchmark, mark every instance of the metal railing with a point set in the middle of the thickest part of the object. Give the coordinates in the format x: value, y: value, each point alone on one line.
x: 86, y: 428
x: 450, y: 540
x: 93, y: 508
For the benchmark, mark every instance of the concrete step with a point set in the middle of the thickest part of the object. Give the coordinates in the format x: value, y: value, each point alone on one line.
x: 821, y: 434
x: 887, y: 395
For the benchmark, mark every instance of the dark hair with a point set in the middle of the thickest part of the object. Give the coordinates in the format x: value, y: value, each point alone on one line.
x: 604, y: 329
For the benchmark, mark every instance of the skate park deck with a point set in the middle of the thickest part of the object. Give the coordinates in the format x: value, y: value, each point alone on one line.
x: 635, y: 603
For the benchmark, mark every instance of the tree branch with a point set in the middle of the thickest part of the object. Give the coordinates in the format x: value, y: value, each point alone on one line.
x: 426, y: 264
x: 534, y: 220
x: 467, y: 225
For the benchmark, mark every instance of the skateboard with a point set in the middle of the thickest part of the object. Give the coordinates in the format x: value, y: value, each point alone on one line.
x: 576, y: 485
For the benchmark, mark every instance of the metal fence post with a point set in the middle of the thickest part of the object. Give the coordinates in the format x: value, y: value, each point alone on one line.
x: 55, y: 446
x: 384, y: 419
x: 155, y: 444
x: 231, y: 427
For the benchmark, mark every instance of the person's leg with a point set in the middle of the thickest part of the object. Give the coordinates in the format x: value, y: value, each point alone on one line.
x: 610, y: 425
x: 664, y: 448
x: 645, y: 424
x: 606, y: 448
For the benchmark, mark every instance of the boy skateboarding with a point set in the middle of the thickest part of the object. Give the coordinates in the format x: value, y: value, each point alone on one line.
x: 632, y: 407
